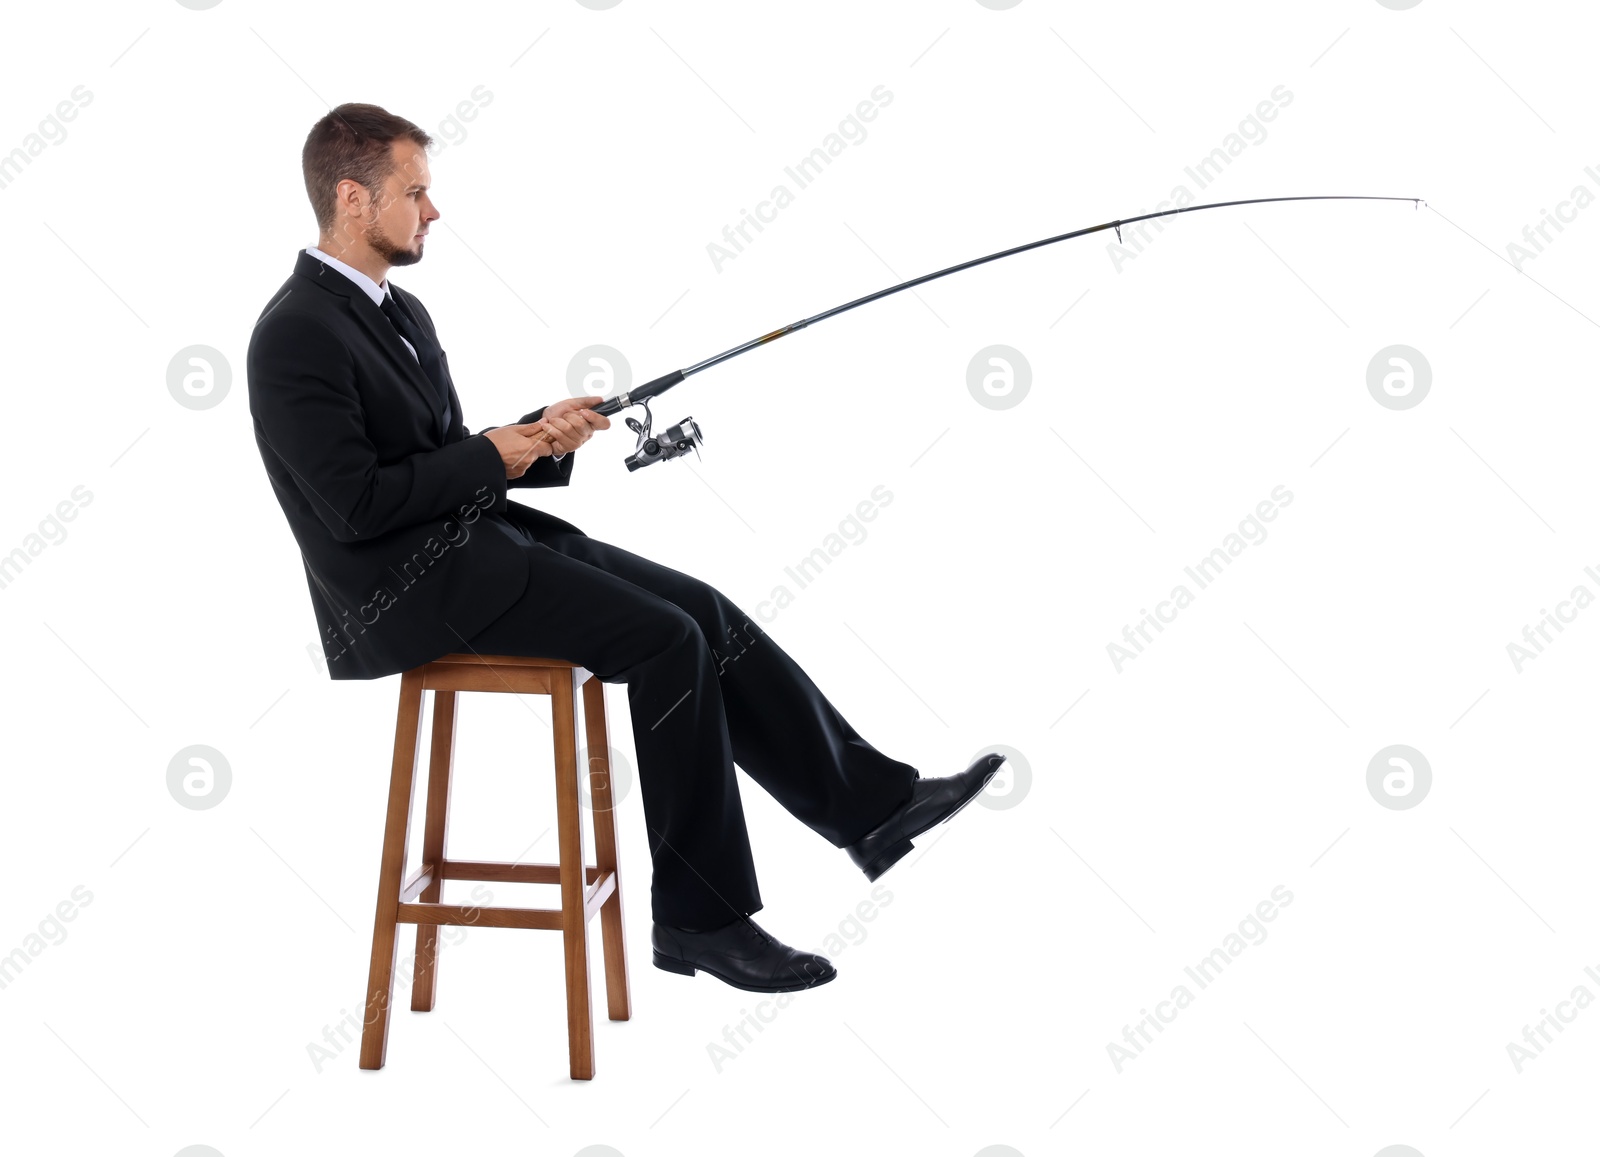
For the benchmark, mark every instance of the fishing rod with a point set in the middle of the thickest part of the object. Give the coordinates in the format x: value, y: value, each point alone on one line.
x: 684, y: 436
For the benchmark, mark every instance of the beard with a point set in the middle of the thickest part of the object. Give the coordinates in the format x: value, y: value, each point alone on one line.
x: 385, y: 248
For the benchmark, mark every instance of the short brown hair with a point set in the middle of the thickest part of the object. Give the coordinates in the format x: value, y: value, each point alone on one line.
x: 354, y: 141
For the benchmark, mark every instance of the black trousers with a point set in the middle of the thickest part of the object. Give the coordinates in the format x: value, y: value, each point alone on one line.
x: 707, y: 688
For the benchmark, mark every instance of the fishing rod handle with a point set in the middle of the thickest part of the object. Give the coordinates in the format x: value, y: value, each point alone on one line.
x: 640, y: 393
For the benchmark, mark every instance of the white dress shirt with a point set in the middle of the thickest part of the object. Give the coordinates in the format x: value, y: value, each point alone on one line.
x: 376, y: 292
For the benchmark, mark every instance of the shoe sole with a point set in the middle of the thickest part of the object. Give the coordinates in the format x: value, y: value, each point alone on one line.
x: 894, y: 853
x: 683, y: 968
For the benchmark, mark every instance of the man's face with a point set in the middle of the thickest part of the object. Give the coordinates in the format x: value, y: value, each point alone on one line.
x: 397, y: 220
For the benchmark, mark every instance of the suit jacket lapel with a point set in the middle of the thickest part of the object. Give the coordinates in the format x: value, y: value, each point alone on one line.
x: 378, y: 326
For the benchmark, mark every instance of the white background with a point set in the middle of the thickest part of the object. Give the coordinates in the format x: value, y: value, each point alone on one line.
x: 1169, y: 396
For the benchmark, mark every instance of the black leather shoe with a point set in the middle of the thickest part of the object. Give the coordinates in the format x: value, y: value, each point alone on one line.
x: 932, y: 801
x: 742, y: 954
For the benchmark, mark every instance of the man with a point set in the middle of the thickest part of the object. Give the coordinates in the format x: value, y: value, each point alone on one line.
x: 412, y: 550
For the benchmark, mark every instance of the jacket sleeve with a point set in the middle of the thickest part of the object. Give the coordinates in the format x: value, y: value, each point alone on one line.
x: 308, y: 412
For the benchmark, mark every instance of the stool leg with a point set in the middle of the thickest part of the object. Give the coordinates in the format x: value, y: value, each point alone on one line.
x: 441, y: 758
x: 391, y: 875
x: 605, y: 846
x: 569, y: 831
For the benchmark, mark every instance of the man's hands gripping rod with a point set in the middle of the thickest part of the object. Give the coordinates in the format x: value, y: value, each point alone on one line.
x: 565, y: 426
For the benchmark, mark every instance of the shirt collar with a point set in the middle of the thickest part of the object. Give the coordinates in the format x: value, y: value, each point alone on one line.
x: 368, y: 286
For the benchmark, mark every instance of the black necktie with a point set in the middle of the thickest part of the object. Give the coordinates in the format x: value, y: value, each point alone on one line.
x: 427, y: 352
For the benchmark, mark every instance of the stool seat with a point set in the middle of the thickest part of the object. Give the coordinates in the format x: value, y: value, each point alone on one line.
x: 586, y: 889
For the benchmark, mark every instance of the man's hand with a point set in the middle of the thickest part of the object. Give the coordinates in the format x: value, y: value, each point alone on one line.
x: 519, y: 447
x: 564, y: 426
x: 571, y: 423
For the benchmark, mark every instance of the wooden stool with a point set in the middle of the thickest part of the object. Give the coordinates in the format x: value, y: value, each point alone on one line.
x: 585, y: 889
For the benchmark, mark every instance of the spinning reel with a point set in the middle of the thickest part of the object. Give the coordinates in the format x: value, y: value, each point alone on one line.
x: 675, y: 441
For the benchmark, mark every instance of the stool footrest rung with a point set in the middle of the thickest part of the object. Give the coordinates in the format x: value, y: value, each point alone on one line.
x: 417, y: 913
x: 478, y: 916
x: 418, y: 884
x: 598, y: 895
x: 510, y: 873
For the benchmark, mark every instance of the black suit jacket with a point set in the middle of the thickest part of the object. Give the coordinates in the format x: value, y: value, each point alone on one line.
x: 394, y: 517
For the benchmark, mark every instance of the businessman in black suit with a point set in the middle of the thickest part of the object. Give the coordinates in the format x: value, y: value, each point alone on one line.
x: 412, y: 550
